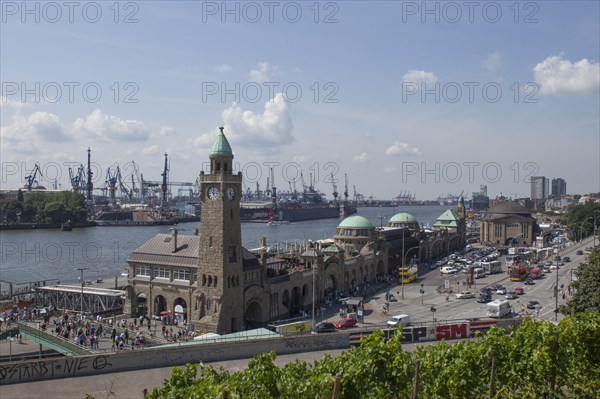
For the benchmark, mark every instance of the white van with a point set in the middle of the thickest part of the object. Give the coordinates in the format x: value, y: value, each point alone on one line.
x: 401, y: 319
x: 448, y: 270
x: 478, y: 273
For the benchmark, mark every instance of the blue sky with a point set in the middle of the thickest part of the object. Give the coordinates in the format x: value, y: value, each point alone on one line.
x: 361, y: 68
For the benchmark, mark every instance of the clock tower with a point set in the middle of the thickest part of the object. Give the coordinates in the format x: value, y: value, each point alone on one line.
x: 219, y: 297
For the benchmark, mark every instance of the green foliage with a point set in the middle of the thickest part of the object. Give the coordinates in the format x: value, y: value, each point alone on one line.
x: 579, y: 219
x: 538, y: 357
x: 44, y: 207
x: 587, y: 286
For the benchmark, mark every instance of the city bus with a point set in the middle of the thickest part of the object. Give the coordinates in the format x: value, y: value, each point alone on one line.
x: 407, y: 274
x: 518, y: 272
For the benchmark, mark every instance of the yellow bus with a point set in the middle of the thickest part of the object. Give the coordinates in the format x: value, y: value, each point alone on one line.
x: 407, y: 274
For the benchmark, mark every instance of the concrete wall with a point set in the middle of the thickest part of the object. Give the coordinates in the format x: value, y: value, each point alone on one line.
x: 35, y: 370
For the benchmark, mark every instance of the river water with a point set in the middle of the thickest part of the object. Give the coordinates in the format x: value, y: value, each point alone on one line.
x: 37, y: 255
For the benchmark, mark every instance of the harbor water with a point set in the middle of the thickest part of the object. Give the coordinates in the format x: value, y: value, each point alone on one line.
x: 49, y: 255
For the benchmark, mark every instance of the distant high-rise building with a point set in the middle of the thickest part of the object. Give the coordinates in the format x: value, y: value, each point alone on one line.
x: 559, y: 186
x: 538, y: 188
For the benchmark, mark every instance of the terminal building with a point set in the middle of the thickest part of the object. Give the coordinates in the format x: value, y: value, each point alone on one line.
x: 210, y: 280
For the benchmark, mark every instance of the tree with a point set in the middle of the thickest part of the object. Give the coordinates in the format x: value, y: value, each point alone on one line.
x: 587, y: 286
x: 579, y: 219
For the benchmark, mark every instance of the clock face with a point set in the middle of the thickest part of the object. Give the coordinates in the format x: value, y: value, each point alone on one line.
x: 213, y: 192
x: 230, y: 193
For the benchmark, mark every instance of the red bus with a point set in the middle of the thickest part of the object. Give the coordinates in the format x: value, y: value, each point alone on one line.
x: 518, y: 272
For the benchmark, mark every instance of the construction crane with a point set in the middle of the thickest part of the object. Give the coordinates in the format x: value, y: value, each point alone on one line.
x: 77, y: 179
x: 335, y: 193
x: 345, y: 187
x: 31, y: 178
x: 164, y: 175
x: 273, y: 188
x: 112, y: 177
x: 89, y: 185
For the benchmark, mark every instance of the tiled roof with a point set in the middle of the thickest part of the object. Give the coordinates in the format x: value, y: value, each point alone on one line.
x: 159, y: 250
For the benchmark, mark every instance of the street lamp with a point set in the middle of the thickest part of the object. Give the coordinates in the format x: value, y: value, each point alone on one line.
x: 595, y: 218
x: 313, y: 299
x: 556, y: 287
x: 581, y: 228
x: 81, y: 269
x: 402, y: 271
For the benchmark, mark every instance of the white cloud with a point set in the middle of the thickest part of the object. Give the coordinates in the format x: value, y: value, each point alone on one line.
x: 15, y: 104
x: 166, y: 131
x: 152, y: 150
x: 260, y: 74
x: 223, y: 68
x: 419, y: 76
x: 399, y: 148
x: 203, y: 141
x: 110, y: 127
x: 39, y: 125
x: 492, y: 62
x: 300, y: 158
x: 556, y: 75
x: 267, y: 131
x: 362, y: 157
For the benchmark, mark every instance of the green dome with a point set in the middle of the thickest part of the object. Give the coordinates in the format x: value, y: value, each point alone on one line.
x: 221, y: 147
x: 403, y: 218
x: 356, y: 222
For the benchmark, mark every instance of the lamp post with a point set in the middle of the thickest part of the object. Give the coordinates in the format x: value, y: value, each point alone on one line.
x: 81, y: 269
x: 313, y: 298
x: 581, y: 227
x: 402, y: 262
x: 556, y: 288
x: 402, y: 271
x: 595, y: 218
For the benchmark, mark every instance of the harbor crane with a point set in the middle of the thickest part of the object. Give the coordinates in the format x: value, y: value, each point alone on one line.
x: 335, y: 193
x: 164, y: 175
x: 31, y: 178
x: 345, y: 187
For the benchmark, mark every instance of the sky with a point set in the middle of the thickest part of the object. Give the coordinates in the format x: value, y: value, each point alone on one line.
x: 429, y: 98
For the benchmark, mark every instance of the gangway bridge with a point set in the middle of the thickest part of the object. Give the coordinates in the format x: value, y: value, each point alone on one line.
x: 45, y: 339
x: 96, y: 301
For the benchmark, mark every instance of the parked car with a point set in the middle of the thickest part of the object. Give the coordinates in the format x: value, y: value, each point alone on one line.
x: 566, y: 259
x: 519, y: 291
x: 346, y: 323
x: 580, y: 252
x: 532, y: 304
x: 465, y: 295
x: 510, y: 295
x: 501, y: 291
x: 548, y: 263
x: 557, y: 257
x: 325, y: 327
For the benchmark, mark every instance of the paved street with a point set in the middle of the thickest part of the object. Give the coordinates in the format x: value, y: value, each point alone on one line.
x: 131, y: 384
